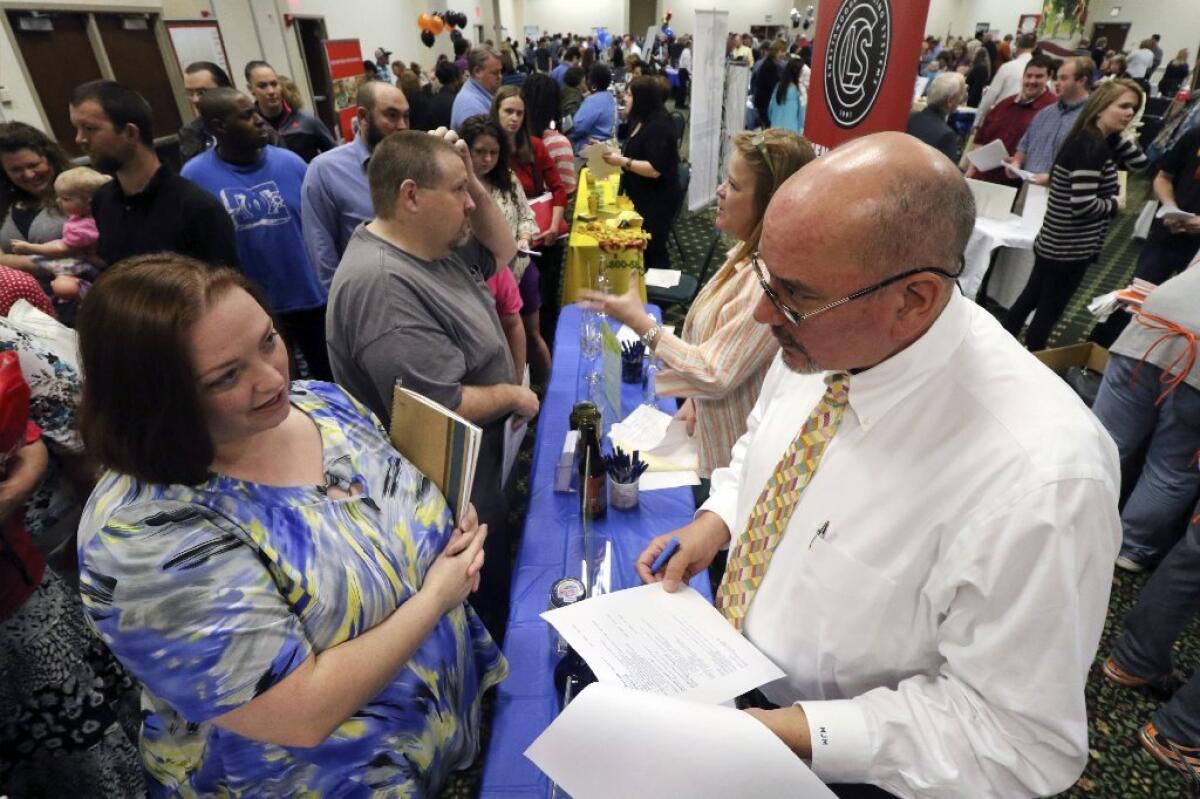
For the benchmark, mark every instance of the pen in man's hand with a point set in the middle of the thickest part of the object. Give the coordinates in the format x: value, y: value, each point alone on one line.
x: 665, y: 555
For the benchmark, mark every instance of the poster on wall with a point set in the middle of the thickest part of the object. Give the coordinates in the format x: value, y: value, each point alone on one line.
x: 346, y: 72
x: 1028, y: 23
x: 864, y: 68
x: 1063, y: 19
x: 197, y: 41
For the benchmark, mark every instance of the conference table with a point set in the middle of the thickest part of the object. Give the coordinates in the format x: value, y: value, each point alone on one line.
x: 551, y: 548
x: 584, y: 252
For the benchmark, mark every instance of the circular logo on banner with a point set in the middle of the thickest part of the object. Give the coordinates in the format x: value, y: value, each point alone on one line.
x: 855, y: 58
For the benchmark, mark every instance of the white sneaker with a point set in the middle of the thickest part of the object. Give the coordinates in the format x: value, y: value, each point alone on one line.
x: 1130, y: 565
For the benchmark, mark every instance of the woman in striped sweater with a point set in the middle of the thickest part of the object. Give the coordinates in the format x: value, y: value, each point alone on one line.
x: 722, y: 355
x: 1084, y: 195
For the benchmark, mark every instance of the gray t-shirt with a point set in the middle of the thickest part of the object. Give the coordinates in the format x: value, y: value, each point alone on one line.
x: 432, y: 325
x: 1176, y: 300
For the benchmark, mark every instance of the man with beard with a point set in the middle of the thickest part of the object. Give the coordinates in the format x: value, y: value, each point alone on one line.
x: 409, y: 305
x: 927, y: 555
x: 259, y: 185
x: 337, y: 196
x: 148, y: 208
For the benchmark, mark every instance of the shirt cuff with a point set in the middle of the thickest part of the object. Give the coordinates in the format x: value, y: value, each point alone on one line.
x: 724, y: 504
x: 841, y: 744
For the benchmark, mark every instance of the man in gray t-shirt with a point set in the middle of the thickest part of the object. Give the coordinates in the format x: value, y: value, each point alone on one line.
x: 409, y: 303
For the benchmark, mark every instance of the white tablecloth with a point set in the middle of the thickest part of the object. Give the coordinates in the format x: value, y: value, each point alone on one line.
x: 989, y: 234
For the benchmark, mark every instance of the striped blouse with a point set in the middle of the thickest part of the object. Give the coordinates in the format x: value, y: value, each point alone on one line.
x: 559, y: 147
x: 1083, y: 196
x: 720, y: 360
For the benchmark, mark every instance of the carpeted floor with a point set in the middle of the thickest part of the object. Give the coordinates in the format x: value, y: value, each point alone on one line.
x: 1118, y: 767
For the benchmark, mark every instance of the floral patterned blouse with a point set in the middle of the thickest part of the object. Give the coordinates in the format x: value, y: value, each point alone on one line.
x: 211, y: 594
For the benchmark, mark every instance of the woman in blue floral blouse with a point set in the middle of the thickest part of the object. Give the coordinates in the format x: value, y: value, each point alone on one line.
x: 288, y: 588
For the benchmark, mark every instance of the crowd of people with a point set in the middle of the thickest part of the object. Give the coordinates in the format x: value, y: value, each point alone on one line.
x: 201, y: 506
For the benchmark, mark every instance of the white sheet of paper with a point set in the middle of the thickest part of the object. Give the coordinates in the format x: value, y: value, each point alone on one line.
x: 655, y: 481
x: 663, y: 278
x: 1023, y: 174
x: 1037, y: 198
x: 989, y: 156
x: 1170, y: 212
x: 643, y: 429
x: 668, y: 644
x: 611, y: 741
x: 597, y: 166
x: 514, y: 434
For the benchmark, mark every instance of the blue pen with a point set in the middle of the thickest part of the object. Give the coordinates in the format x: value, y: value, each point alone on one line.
x: 661, y: 560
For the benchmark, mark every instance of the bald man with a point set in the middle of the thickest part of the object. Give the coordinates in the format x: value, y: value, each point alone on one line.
x: 259, y: 186
x: 337, y: 195
x: 921, y: 518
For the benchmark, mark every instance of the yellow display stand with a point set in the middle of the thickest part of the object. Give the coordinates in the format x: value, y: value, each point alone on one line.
x: 583, y: 251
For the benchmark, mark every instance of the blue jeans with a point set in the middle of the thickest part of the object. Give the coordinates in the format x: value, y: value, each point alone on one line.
x: 1166, y: 487
x: 1167, y: 604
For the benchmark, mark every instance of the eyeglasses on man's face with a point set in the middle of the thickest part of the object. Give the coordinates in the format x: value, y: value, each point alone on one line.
x: 796, y: 317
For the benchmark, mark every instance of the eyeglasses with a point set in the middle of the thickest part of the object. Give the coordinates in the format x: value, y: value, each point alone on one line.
x: 796, y: 317
x: 760, y: 143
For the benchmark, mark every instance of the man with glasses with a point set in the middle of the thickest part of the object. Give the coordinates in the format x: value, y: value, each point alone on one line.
x: 409, y: 305
x: 921, y: 518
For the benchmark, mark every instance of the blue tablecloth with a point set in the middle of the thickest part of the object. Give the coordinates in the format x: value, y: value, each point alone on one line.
x: 525, y: 703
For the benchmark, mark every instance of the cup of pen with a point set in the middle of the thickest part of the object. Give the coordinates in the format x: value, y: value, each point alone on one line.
x: 624, y: 470
x: 632, y: 355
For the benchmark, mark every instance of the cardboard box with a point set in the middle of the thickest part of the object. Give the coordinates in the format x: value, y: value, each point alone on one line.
x: 1060, y: 359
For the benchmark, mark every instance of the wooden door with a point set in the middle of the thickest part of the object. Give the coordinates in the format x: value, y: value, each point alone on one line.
x: 59, y: 57
x: 310, y: 33
x: 131, y: 43
x: 1115, y: 32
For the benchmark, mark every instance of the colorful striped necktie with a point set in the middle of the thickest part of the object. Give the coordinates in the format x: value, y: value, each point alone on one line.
x: 750, y: 556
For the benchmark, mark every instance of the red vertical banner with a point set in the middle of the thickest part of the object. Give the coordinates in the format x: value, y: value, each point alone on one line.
x: 864, y: 68
x: 346, y: 71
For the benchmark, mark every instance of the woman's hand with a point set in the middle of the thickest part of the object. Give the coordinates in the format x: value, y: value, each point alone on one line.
x: 626, y: 308
x: 549, y: 236
x: 687, y: 414
x: 613, y: 158
x: 523, y: 244
x: 455, y: 573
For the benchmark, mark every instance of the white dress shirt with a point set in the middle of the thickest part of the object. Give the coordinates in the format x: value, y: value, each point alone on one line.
x: 1005, y: 83
x: 939, y: 593
x: 1139, y: 63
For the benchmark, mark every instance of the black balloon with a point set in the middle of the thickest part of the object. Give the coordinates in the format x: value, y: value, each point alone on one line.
x: 455, y: 35
x: 427, y: 38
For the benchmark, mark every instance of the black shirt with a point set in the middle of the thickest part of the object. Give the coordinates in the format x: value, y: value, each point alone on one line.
x: 301, y: 132
x: 170, y: 214
x: 1182, y: 163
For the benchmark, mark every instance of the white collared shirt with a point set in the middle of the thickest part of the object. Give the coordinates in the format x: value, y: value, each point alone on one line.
x: 939, y: 594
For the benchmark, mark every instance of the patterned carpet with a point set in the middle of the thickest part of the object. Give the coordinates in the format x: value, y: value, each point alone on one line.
x: 1118, y: 767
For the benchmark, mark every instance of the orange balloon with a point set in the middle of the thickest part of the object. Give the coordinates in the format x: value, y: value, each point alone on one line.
x: 436, y: 25
x: 424, y: 22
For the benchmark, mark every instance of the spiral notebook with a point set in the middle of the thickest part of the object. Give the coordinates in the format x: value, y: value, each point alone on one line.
x: 439, y: 442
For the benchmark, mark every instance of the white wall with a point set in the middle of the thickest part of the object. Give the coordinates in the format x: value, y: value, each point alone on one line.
x: 742, y: 14
x: 1177, y: 21
x: 576, y: 16
x: 959, y: 16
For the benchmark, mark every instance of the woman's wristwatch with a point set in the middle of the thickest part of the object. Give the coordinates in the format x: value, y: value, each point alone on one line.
x: 625, y: 167
x: 650, y: 337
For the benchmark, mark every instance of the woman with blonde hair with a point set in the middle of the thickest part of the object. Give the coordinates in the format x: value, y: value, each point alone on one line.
x: 722, y: 354
x: 1174, y: 74
x: 1084, y: 195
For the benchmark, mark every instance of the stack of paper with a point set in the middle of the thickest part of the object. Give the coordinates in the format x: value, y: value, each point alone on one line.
x: 597, y: 166
x: 988, y: 157
x: 1173, y: 213
x: 652, y: 725
x: 663, y: 443
x: 663, y: 278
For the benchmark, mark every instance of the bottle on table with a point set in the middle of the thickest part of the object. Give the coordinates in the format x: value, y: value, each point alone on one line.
x: 593, y: 477
x: 571, y: 676
x: 565, y: 592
